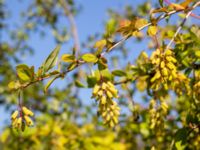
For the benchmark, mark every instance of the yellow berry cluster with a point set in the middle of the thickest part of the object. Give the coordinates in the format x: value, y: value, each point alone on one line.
x: 22, y: 118
x: 181, y: 84
x: 108, y: 108
x: 165, y: 70
x: 157, y: 114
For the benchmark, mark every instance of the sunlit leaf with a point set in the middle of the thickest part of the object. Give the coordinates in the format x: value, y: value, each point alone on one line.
x: 79, y: 84
x: 91, y: 81
x: 71, y: 66
x: 119, y: 73
x: 49, y: 83
x: 68, y: 58
x: 24, y: 73
x: 89, y: 57
x: 152, y: 30
x: 100, y: 44
x: 51, y: 60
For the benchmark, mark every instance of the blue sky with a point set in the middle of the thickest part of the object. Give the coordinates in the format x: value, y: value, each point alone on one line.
x: 89, y: 21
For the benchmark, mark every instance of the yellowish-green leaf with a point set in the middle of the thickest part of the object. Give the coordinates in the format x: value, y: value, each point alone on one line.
x: 68, y: 58
x: 5, y: 135
x: 197, y: 53
x: 102, y: 64
x: 24, y: 73
x: 13, y: 85
x: 140, y: 23
x: 89, y: 58
x: 91, y: 81
x: 50, y: 62
x: 152, y: 30
x: 79, y: 84
x: 159, y: 10
x: 179, y: 145
x: 49, y: 83
x: 100, y: 44
x: 106, y: 74
x: 119, y: 73
x: 71, y: 66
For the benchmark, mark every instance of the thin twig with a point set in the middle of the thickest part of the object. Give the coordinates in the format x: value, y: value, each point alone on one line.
x: 161, y: 17
x: 80, y: 62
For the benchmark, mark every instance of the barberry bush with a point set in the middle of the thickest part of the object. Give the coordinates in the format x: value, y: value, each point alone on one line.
x: 149, y: 100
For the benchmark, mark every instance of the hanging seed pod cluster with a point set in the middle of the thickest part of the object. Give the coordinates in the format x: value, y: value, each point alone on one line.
x: 21, y: 119
x: 165, y: 69
x: 108, y: 108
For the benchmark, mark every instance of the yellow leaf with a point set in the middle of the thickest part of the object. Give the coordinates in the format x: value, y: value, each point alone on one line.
x: 186, y: 3
x: 68, y: 58
x: 88, y: 57
x: 100, y: 44
x: 176, y: 6
x: 152, y: 30
x: 124, y: 23
x: 5, y: 135
x: 164, y: 9
x: 140, y: 22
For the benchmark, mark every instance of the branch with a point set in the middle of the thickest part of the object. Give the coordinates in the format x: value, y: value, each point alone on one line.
x: 72, y: 25
x: 181, y: 8
x: 182, y: 23
x: 80, y: 62
x: 161, y: 17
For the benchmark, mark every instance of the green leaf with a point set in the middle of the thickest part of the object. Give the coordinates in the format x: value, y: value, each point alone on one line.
x: 55, y: 72
x: 89, y: 58
x: 110, y: 27
x: 71, y: 66
x: 102, y: 64
x: 161, y: 3
x: 13, y: 85
x: 79, y: 84
x: 197, y: 54
x: 91, y: 81
x: 106, y: 74
x: 49, y: 83
x: 181, y: 135
x: 50, y: 62
x: 179, y: 145
x: 24, y: 73
x: 119, y: 73
x: 68, y: 58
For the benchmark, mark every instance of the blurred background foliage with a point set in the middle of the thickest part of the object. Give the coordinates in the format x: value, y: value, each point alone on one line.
x: 63, y: 121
